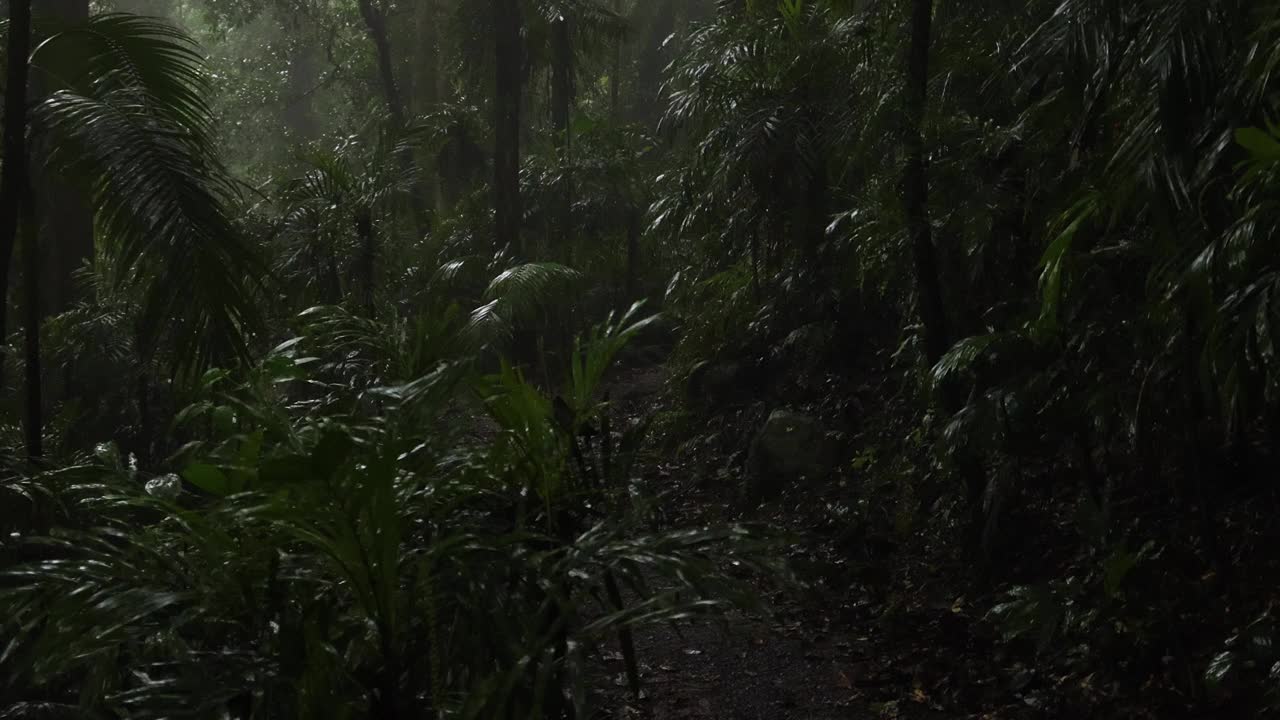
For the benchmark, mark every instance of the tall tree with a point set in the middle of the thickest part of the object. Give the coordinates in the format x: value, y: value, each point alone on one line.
x: 33, y: 424
x: 303, y: 76
x: 59, y: 239
x: 562, y: 85
x: 428, y: 89
x: 66, y: 222
x: 562, y: 99
x: 375, y: 14
x: 506, y: 103
x: 916, y: 185
x: 933, y: 315
x: 428, y: 79
x: 13, y: 174
x: 615, y: 72
x: 652, y: 59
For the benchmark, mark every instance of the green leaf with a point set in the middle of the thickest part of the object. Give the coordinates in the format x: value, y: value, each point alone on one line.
x: 1259, y: 144
x: 128, y: 117
x: 1115, y: 569
x: 1220, y: 669
x: 212, y: 378
x: 224, y: 420
x: 208, y: 478
x: 1057, y: 257
x: 246, y: 469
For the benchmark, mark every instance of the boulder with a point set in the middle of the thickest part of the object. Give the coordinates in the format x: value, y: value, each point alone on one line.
x: 806, y: 347
x: 791, y: 446
x: 166, y: 487
x: 711, y: 384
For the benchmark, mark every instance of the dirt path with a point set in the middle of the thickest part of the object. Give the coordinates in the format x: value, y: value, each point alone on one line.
x: 873, y: 628
x: 801, y: 659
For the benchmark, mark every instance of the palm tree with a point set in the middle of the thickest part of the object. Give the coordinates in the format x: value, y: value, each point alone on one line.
x: 133, y: 124
x: 766, y: 91
x: 558, y: 33
x: 124, y: 119
x: 334, y: 214
x: 571, y: 25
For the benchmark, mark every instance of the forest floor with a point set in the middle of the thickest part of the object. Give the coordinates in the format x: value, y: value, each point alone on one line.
x: 887, y: 617
x: 891, y: 638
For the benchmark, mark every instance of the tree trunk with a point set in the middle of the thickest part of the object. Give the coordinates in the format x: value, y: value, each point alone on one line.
x: 506, y: 160
x: 932, y: 309
x: 651, y: 62
x: 428, y: 92
x: 303, y: 77
x: 146, y: 424
x: 64, y: 209
x: 13, y: 173
x: 375, y: 20
x: 615, y: 75
x: 64, y: 212
x: 367, y: 268
x: 755, y: 261
x: 562, y: 98
x: 815, y: 222
x: 34, y: 412
x: 562, y: 90
x: 916, y: 187
x: 67, y: 229
x: 633, y: 254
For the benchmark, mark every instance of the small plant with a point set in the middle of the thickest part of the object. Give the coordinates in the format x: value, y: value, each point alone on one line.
x: 345, y: 566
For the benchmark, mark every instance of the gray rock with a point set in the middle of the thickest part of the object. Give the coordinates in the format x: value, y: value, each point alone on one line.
x: 791, y: 446
x: 806, y: 345
x: 711, y: 384
x: 165, y: 487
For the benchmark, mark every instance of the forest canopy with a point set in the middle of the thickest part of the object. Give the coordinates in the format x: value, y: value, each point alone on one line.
x: 639, y: 358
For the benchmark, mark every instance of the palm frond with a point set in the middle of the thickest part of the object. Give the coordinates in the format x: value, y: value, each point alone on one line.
x: 132, y: 124
x: 517, y: 296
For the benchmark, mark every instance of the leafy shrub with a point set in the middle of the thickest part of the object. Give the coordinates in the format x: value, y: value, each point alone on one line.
x: 315, y: 561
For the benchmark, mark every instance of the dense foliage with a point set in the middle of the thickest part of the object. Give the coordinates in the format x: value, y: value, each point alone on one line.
x: 320, y: 304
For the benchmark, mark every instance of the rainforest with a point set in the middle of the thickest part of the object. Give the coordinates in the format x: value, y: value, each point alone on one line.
x: 623, y: 359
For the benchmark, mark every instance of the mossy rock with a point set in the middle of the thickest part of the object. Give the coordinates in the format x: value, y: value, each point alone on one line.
x: 790, y: 447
